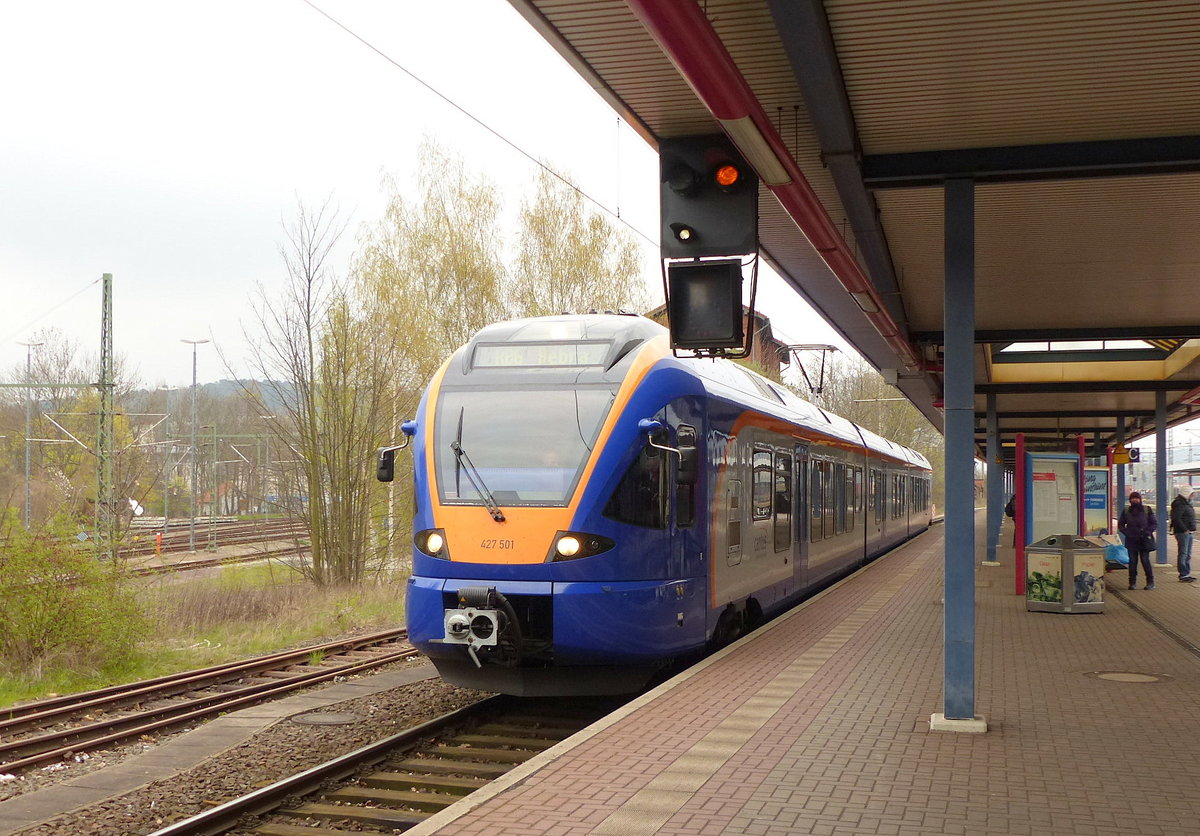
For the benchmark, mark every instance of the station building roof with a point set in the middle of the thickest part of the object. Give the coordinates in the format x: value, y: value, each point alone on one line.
x: 1078, y: 120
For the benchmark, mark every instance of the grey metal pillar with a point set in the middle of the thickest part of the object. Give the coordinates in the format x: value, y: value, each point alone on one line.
x: 995, y: 482
x: 959, y: 696
x: 28, y: 514
x: 1160, y: 472
x: 1122, y: 497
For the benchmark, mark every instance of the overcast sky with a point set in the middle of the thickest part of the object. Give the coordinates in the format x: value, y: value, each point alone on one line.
x: 166, y: 142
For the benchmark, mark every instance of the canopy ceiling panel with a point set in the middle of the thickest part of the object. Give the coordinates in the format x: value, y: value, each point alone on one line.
x: 1078, y: 253
x: 970, y: 73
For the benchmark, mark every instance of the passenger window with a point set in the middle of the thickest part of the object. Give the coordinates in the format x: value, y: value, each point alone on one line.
x: 839, y: 496
x: 783, y: 502
x: 762, y: 485
x: 815, y: 496
x: 827, y: 498
x: 640, y: 497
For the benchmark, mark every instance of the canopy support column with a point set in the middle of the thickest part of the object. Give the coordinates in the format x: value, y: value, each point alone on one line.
x: 1160, y: 473
x: 959, y: 647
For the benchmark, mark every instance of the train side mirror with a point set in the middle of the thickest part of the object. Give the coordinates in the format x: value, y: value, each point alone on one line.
x: 656, y: 433
x: 385, y: 469
x: 385, y: 457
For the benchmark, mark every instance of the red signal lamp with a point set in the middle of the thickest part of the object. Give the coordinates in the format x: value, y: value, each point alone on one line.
x: 727, y: 176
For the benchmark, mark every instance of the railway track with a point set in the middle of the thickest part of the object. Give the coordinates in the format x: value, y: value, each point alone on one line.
x: 53, y: 729
x: 396, y: 783
x: 226, y: 533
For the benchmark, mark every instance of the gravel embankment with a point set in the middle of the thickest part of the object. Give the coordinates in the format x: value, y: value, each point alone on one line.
x: 281, y: 750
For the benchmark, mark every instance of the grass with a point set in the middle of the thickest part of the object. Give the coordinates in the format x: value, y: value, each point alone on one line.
x: 242, y: 611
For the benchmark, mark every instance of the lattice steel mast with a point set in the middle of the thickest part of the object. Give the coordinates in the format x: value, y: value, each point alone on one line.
x: 106, y: 517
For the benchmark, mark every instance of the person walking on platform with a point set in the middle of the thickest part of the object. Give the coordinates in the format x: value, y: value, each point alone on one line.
x: 1138, y: 525
x: 1183, y: 523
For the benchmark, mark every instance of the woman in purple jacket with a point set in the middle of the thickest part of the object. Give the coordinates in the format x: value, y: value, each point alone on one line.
x: 1138, y: 525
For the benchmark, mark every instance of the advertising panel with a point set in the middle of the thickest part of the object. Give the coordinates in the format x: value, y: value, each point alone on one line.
x: 1096, y: 516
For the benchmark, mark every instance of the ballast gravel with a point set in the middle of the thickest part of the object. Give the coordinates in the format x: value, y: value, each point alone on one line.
x: 280, y: 750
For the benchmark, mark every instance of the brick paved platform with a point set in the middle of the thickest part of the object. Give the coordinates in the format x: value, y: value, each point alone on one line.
x: 819, y: 723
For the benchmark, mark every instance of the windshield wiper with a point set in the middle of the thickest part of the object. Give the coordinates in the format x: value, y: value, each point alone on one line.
x: 476, y: 480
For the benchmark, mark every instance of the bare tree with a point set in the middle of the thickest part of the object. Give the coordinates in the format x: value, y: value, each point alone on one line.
x: 328, y: 373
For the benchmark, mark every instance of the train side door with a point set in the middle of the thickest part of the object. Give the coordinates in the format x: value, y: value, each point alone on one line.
x: 686, y: 544
x: 800, y: 516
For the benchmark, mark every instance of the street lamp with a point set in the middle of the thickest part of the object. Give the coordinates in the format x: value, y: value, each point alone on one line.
x: 267, y: 472
x: 192, y: 449
x: 29, y: 347
x: 168, y: 448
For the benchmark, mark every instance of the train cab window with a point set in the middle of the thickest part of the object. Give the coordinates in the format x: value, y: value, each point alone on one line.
x: 640, y: 498
x: 763, y: 491
x: 815, y: 497
x: 783, y: 502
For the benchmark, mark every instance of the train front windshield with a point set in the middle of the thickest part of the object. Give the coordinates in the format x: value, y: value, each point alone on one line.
x: 528, y: 447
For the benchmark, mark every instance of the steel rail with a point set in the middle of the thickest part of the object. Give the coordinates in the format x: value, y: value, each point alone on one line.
x: 225, y: 816
x: 43, y: 710
x: 214, y: 704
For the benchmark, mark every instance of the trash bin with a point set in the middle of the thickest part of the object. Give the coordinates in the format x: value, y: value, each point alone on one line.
x: 1077, y: 560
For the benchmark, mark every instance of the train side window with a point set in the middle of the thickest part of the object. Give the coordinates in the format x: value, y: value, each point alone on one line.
x: 783, y: 502
x: 839, y: 497
x: 815, y: 496
x: 881, y: 510
x: 827, y: 499
x: 762, y: 485
x: 640, y: 498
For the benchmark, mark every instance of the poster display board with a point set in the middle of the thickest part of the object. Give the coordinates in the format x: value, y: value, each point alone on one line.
x: 1054, y: 498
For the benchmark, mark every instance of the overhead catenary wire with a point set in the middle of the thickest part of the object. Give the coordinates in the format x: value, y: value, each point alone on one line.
x: 510, y: 143
x: 18, y: 331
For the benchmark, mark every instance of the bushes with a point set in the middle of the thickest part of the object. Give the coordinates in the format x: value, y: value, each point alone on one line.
x: 61, y: 606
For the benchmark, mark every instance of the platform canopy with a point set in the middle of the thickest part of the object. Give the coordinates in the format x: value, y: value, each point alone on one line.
x: 1078, y: 121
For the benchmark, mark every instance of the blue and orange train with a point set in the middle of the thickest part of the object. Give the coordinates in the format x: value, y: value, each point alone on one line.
x: 590, y: 508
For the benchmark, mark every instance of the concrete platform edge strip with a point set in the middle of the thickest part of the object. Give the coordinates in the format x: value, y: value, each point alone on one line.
x: 520, y: 774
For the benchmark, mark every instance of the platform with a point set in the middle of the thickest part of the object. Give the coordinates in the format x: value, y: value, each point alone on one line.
x: 819, y: 723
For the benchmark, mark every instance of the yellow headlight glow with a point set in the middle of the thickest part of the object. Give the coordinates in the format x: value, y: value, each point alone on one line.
x: 434, y: 543
x: 568, y: 546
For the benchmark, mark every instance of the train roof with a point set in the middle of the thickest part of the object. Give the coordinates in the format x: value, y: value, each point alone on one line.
x: 622, y: 333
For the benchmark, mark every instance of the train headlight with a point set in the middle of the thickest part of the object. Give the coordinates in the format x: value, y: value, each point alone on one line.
x: 572, y: 545
x: 432, y: 542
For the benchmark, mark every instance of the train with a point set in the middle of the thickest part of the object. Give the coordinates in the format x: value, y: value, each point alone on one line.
x: 591, y: 509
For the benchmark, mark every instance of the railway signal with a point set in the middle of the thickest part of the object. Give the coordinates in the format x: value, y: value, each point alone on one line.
x: 709, y: 199
x: 709, y: 203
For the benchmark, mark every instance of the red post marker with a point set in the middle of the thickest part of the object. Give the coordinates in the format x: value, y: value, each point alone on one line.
x: 1082, y: 483
x: 158, y: 543
x: 1020, y: 518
